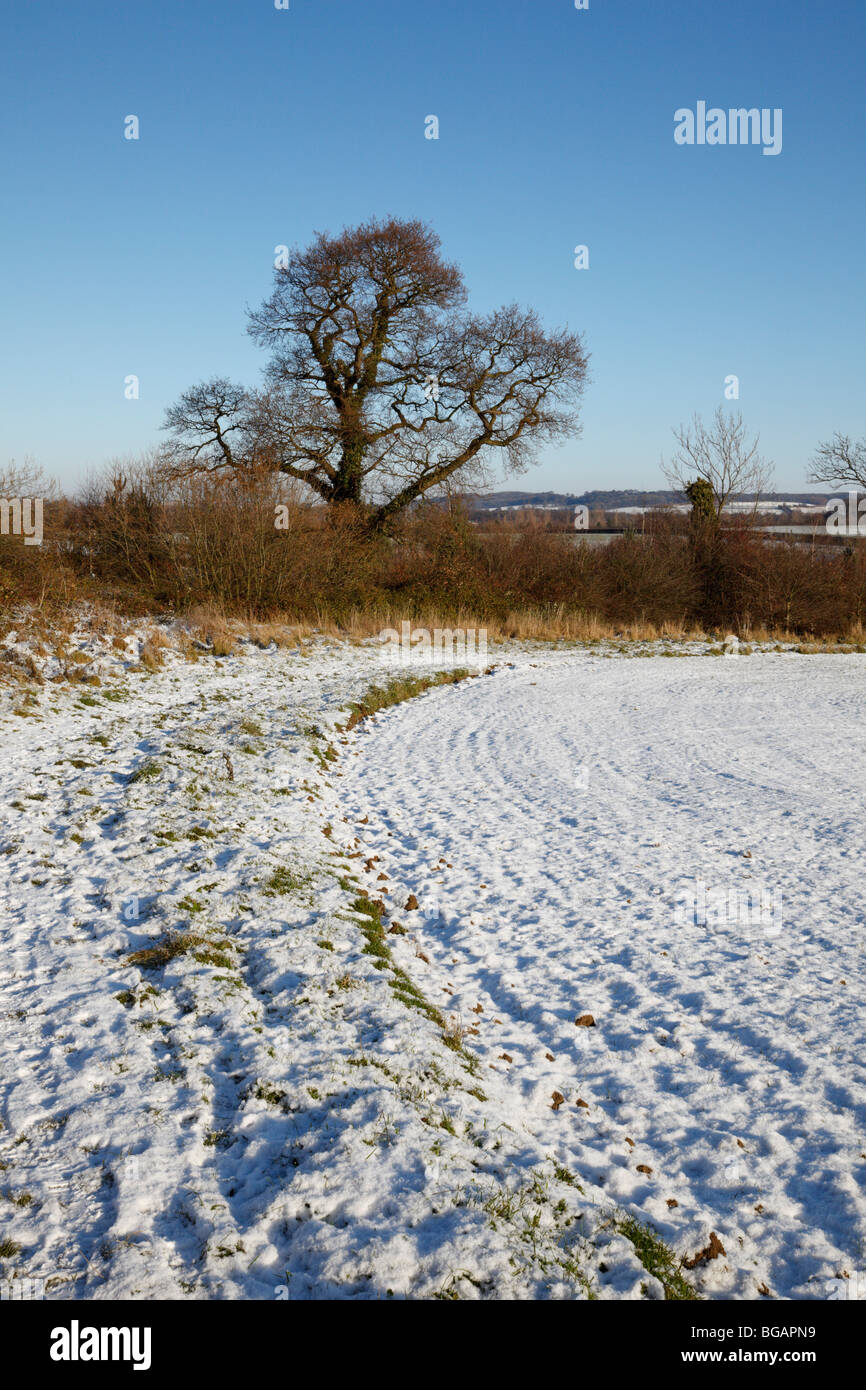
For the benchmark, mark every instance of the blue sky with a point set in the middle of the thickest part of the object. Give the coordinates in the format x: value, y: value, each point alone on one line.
x: 259, y: 126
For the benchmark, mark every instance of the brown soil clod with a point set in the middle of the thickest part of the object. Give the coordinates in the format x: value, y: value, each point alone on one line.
x: 711, y: 1251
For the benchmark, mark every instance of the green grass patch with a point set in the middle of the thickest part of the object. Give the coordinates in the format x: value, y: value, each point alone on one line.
x: 189, y: 904
x: 148, y: 772
x: 264, y: 1091
x: 401, y: 688
x: 211, y: 956
x: 285, y: 880
x: 563, y: 1175
x: 373, y: 930
x: 658, y: 1259
x: 216, y: 1139
x: 407, y: 992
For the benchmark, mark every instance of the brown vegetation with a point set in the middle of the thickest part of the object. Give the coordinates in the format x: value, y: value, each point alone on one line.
x: 210, y: 548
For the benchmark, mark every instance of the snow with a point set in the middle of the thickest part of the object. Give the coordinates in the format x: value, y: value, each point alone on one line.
x: 669, y: 846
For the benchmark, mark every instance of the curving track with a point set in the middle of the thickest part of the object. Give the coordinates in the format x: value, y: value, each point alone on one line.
x: 553, y: 822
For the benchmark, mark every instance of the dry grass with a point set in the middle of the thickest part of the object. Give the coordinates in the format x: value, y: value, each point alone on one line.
x: 210, y: 631
x: 266, y: 635
x: 150, y: 656
x: 210, y: 627
x: 455, y: 1032
x: 545, y: 624
x: 174, y: 944
x: 167, y: 949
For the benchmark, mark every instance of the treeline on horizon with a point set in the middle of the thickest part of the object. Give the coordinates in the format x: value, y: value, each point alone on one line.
x: 604, y: 499
x: 144, y: 546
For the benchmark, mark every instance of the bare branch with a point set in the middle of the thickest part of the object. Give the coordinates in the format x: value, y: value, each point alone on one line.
x: 840, y: 460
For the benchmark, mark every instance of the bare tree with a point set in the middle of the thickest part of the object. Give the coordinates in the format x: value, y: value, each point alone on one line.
x: 720, y: 454
x: 380, y: 386
x: 205, y: 423
x: 25, y: 480
x: 840, y: 460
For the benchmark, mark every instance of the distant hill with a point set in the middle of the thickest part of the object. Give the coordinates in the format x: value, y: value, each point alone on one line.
x: 600, y: 499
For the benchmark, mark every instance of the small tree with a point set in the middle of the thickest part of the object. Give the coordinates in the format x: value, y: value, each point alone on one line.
x: 722, y: 457
x: 840, y: 460
x: 380, y: 386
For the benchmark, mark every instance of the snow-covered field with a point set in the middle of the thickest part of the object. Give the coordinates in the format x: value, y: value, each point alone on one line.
x: 295, y: 1105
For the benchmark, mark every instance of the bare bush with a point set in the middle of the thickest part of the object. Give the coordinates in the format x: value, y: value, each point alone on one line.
x: 212, y: 546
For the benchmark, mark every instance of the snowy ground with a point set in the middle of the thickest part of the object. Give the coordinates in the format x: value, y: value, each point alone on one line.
x: 670, y: 847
